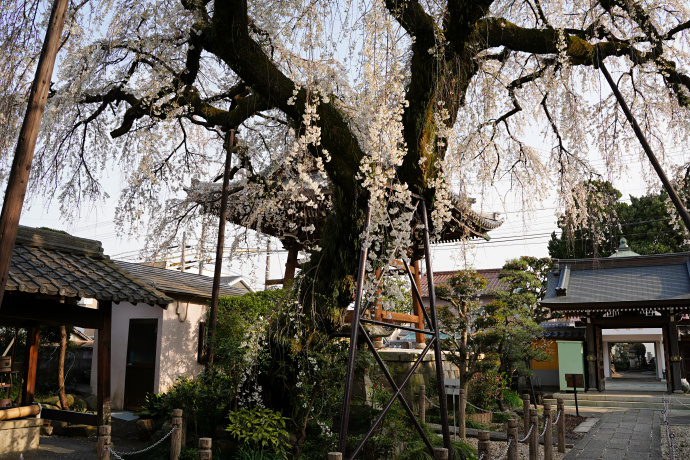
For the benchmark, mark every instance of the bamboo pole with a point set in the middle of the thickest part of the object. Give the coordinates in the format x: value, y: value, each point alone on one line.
x: 17, y: 412
x: 24, y: 154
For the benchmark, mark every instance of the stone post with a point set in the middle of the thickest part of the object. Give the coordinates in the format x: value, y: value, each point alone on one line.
x: 560, y: 409
x: 548, y: 433
x: 176, y: 436
x: 103, y: 443
x: 534, y: 437
x: 205, y: 452
x: 513, y: 439
x: 484, y: 446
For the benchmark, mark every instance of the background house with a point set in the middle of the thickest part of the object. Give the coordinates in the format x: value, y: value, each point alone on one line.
x: 153, y: 346
x: 486, y: 295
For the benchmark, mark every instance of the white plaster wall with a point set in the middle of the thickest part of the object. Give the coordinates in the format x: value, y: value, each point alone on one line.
x: 122, y: 313
x: 180, y: 338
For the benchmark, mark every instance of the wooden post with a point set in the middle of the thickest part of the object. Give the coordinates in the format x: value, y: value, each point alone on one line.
x: 560, y: 408
x: 335, y: 456
x: 484, y: 446
x: 512, y: 431
x: 461, y: 414
x: 534, y: 437
x: 205, y: 452
x: 103, y: 442
x: 215, y: 290
x: 30, y: 365
x: 291, y: 264
x: 525, y: 412
x: 441, y: 453
x: 24, y: 153
x: 176, y: 436
x: 422, y: 403
x: 548, y: 433
x: 416, y: 306
x: 105, y: 308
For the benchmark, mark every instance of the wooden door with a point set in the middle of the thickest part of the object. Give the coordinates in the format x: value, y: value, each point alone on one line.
x: 141, y: 361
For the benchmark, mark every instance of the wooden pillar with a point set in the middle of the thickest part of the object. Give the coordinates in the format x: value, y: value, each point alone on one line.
x: 291, y: 264
x: 675, y: 357
x: 591, y: 355
x: 30, y: 365
x: 600, y: 358
x: 416, y: 307
x: 105, y: 307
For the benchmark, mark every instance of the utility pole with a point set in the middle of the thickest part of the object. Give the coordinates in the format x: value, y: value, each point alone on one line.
x: 184, y: 246
x: 24, y: 154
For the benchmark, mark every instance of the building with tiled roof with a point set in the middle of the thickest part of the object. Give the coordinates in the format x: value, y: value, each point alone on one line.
x: 486, y: 295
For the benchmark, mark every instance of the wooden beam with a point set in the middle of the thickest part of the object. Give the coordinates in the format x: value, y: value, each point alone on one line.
x: 51, y: 313
x: 24, y: 153
x: 291, y: 264
x: 81, y: 418
x: 103, y: 363
x: 30, y: 365
x: 274, y: 282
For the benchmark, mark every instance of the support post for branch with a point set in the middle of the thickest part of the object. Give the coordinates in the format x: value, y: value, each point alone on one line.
x: 484, y: 445
x: 24, y: 154
x: 422, y: 403
x: 534, y: 436
x: 548, y: 433
x: 219, y: 249
x: 647, y: 149
x: 560, y: 409
x: 103, y: 443
x: 511, y: 428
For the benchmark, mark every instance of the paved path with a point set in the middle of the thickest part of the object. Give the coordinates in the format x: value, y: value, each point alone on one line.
x: 632, y: 434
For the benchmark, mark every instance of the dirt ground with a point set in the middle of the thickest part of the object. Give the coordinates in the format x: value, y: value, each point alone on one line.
x: 124, y: 438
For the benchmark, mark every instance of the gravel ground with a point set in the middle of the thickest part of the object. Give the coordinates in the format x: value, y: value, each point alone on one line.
x: 681, y: 442
x: 498, y: 448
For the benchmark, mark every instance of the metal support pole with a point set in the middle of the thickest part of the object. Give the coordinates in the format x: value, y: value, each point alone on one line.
x: 349, y: 376
x: 647, y: 149
x: 215, y: 293
x: 443, y: 403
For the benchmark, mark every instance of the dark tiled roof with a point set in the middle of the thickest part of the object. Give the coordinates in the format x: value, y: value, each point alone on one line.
x: 491, y: 275
x: 62, y: 265
x: 174, y: 282
x: 656, y: 280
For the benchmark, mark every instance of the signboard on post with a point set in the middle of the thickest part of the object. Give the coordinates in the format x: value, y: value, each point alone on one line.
x: 574, y: 381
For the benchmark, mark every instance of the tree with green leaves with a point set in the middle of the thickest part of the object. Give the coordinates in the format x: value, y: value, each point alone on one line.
x: 647, y: 223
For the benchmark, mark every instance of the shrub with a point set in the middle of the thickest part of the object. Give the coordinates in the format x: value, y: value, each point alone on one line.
x: 486, y: 389
x: 203, y: 400
x: 257, y: 429
x: 511, y: 398
x: 501, y: 417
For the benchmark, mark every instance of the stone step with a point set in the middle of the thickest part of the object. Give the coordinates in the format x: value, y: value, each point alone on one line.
x: 649, y: 404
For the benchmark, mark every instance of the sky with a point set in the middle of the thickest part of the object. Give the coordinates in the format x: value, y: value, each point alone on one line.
x: 522, y: 233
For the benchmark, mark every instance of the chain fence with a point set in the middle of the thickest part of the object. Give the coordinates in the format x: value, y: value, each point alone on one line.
x: 119, y: 455
x: 531, y: 427
x: 505, y: 452
x: 670, y: 437
x: 557, y: 417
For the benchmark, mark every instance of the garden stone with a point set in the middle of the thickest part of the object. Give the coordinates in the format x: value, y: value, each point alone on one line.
x: 145, y: 428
